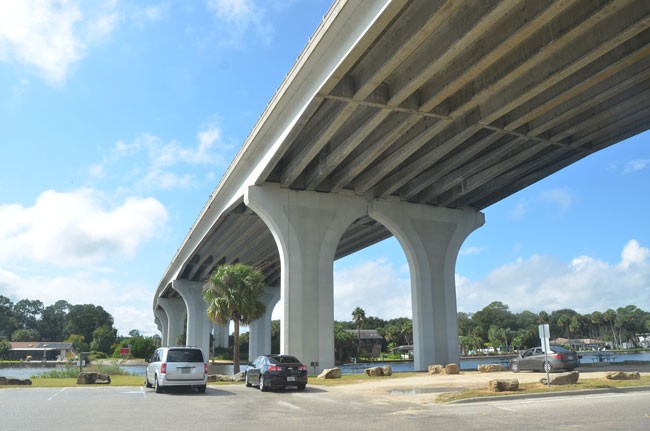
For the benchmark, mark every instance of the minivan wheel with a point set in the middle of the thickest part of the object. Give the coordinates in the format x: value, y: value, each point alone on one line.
x: 156, y: 386
x: 146, y: 382
x: 201, y: 388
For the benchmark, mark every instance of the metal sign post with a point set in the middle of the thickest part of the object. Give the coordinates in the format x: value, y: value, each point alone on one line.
x: 544, y: 335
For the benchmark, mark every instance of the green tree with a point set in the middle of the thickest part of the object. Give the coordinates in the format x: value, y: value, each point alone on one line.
x: 8, y: 321
x: 234, y: 295
x: 358, y: 316
x: 84, y: 319
x: 28, y: 313
x: 25, y: 335
x: 343, y: 342
x: 78, y: 342
x: 5, y: 346
x: 103, y: 339
x: 51, y: 325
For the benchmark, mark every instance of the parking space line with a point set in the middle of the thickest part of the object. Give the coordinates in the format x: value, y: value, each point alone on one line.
x: 289, y: 405
x: 57, y: 394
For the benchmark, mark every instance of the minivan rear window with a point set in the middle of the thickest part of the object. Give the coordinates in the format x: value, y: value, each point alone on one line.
x: 189, y: 355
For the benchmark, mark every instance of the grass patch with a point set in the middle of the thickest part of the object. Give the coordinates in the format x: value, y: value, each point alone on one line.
x: 535, y: 388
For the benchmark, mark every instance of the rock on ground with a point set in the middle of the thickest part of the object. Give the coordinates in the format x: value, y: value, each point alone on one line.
x: 10, y: 381
x: 562, y: 379
x: 503, y: 385
x: 93, y: 378
x: 330, y: 373
x: 623, y: 375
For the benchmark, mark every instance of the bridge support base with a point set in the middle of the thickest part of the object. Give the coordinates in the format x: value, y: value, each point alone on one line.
x: 307, y: 227
x: 198, y: 324
x: 431, y: 238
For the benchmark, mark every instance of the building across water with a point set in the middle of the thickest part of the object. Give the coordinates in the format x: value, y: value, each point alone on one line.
x: 39, y: 351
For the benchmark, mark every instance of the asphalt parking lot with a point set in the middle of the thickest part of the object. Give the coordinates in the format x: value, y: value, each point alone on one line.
x: 318, y: 408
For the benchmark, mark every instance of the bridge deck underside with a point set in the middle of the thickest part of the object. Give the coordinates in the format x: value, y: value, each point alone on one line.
x: 456, y: 104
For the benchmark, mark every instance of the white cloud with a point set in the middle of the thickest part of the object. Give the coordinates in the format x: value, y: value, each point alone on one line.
x: 76, y: 228
x: 155, y: 163
x: 374, y: 286
x: 51, y: 36
x: 538, y: 283
x: 471, y: 251
x: 560, y: 197
x: 544, y: 283
x: 635, y: 165
x: 633, y: 254
x: 238, y: 18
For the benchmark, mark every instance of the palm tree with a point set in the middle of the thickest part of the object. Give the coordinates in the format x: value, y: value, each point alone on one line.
x: 358, y: 315
x: 234, y: 294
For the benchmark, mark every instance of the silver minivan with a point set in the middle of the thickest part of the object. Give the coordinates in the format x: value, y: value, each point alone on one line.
x: 177, y: 366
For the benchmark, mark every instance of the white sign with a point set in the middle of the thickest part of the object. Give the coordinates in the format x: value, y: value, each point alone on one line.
x: 544, y: 335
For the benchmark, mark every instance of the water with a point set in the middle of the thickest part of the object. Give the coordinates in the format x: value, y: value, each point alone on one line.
x: 466, y: 364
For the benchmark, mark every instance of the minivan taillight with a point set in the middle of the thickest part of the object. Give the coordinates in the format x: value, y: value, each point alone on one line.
x: 205, y: 368
x: 163, y: 368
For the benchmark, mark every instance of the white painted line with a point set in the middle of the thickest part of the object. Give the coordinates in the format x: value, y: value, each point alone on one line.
x: 289, y: 405
x: 57, y: 394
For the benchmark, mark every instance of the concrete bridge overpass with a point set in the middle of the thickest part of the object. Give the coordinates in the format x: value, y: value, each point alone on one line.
x: 408, y: 118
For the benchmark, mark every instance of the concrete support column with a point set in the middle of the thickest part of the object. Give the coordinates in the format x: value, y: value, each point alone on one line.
x: 176, y: 311
x: 307, y: 227
x: 198, y: 324
x: 260, y: 330
x: 163, y: 324
x: 431, y: 238
x: 221, y: 335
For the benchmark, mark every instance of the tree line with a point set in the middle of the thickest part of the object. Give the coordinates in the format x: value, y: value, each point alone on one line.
x: 88, y: 327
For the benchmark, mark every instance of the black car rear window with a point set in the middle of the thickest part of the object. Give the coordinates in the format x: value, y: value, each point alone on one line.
x: 283, y: 360
x: 189, y: 355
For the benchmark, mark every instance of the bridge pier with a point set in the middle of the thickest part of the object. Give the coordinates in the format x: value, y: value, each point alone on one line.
x: 221, y: 335
x: 307, y: 227
x: 431, y: 238
x: 198, y: 324
x: 162, y: 323
x: 176, y: 311
x: 260, y: 330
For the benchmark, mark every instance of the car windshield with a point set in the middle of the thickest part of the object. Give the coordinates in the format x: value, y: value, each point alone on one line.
x: 190, y: 355
x: 283, y: 360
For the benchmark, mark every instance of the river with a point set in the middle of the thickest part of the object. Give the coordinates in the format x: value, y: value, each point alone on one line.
x: 466, y: 363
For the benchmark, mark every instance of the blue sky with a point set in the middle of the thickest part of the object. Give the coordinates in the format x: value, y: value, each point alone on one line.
x: 117, y: 120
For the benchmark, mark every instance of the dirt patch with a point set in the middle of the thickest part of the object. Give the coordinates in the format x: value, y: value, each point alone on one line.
x: 425, y: 388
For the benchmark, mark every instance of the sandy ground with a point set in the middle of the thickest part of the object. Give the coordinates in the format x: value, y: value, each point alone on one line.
x: 425, y: 388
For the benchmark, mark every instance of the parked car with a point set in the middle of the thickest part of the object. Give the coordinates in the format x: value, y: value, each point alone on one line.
x: 177, y: 366
x: 559, y: 358
x: 276, y: 371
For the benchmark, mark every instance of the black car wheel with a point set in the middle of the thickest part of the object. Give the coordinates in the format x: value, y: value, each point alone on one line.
x: 301, y: 387
x: 514, y: 367
x: 263, y: 386
x: 248, y: 384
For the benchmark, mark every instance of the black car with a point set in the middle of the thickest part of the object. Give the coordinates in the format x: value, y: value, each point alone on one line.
x: 558, y: 358
x: 276, y: 371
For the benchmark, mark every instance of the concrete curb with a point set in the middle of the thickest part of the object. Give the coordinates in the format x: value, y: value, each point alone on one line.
x: 553, y: 394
